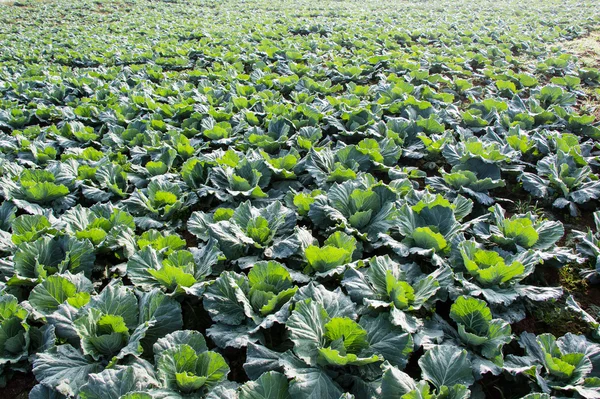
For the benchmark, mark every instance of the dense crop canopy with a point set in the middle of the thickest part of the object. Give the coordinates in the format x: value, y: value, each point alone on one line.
x: 299, y: 199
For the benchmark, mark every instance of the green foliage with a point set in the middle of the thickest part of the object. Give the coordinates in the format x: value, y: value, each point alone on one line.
x: 315, y: 187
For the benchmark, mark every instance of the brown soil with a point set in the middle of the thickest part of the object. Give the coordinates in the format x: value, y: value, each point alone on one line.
x: 190, y: 239
x: 18, y: 386
x: 525, y: 325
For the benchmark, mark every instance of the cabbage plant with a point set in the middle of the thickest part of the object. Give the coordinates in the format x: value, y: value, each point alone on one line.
x: 242, y: 305
x: 156, y: 205
x: 401, y: 288
x: 498, y: 275
x: 569, y: 364
x: 185, y: 367
x: 14, y: 334
x: 108, y: 228
x: 472, y: 181
x: 560, y: 178
x: 34, y: 261
x: 246, y: 230
x: 446, y: 374
x: 180, y: 271
x: 35, y: 189
x: 524, y: 232
x: 115, y: 325
x: 429, y: 226
x: 477, y: 330
x: 361, y: 207
x: 589, y: 245
x: 245, y: 176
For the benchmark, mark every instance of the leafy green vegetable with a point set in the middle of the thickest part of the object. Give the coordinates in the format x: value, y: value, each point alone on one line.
x: 307, y: 186
x: 356, y: 206
x: 566, y: 364
x: 46, y: 256
x: 14, y: 330
x: 186, y: 366
x: 476, y: 328
x: 336, y: 252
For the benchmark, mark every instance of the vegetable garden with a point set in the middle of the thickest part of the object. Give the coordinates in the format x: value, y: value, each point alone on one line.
x: 299, y: 199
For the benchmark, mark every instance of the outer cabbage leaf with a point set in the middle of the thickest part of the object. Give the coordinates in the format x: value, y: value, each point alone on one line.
x: 46, y: 256
x: 445, y: 365
x: 362, y: 206
x: 270, y: 385
x: 14, y: 330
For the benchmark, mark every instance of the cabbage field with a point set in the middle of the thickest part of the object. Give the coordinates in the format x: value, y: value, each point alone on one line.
x: 287, y: 199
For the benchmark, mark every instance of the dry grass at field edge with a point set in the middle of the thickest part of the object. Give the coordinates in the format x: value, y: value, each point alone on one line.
x: 587, y: 50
